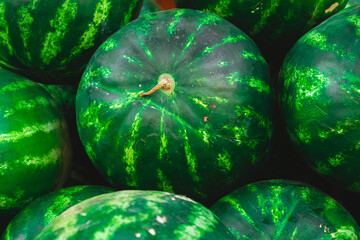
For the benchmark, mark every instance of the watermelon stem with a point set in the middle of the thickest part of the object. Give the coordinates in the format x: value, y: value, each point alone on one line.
x: 165, y: 83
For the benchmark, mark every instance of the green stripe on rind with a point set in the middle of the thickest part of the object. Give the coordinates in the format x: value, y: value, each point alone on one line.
x: 86, y: 40
x: 133, y: 60
x: 235, y: 204
x: 190, y: 42
x: 28, y: 131
x: 26, y: 105
x: 25, y: 21
x: 128, y: 15
x: 130, y: 155
x: 224, y: 162
x: 14, y: 86
x: 208, y: 19
x: 52, y: 43
x: 4, y: 29
x: 221, y: 8
x: 172, y: 25
x: 265, y: 14
x: 356, y: 21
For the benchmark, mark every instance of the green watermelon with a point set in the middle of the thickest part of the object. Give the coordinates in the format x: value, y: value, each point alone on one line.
x: 320, y: 97
x: 39, y: 213
x: 282, y: 209
x: 274, y: 25
x: 352, y: 3
x: 52, y: 41
x: 210, y: 122
x: 34, y: 142
x: 137, y: 215
x: 149, y: 6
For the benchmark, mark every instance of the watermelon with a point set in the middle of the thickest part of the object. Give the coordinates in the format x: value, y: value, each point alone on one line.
x: 320, y: 97
x: 273, y: 25
x: 283, y: 209
x: 52, y: 41
x: 42, y: 211
x: 210, y: 122
x: 137, y: 215
x: 149, y: 6
x: 34, y: 142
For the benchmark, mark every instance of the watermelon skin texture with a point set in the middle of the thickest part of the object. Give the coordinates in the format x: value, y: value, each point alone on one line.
x: 52, y: 41
x: 273, y: 25
x: 134, y: 215
x: 149, y: 6
x: 320, y: 97
x: 352, y: 3
x: 34, y: 142
x: 283, y: 209
x: 38, y: 214
x: 202, y: 139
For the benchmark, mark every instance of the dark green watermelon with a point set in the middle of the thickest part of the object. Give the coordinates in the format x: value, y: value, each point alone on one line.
x: 282, y: 209
x: 149, y: 6
x: 137, y: 215
x: 211, y: 126
x: 274, y: 25
x: 34, y: 142
x: 52, y: 41
x: 41, y: 212
x: 321, y: 95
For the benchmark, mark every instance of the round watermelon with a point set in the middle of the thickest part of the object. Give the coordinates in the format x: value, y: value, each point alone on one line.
x: 274, y: 25
x: 179, y: 101
x: 137, y: 215
x: 42, y: 211
x: 320, y: 97
x: 34, y: 142
x: 52, y: 41
x: 149, y: 6
x: 282, y: 209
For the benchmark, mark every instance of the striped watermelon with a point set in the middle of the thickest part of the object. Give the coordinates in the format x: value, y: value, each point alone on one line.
x: 321, y: 96
x: 149, y: 6
x: 199, y: 135
x: 52, y: 41
x: 137, y: 215
x: 282, y: 209
x: 41, y: 212
x: 274, y: 25
x: 34, y: 143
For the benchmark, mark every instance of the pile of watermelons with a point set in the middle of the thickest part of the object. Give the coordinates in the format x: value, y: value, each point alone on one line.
x: 219, y: 119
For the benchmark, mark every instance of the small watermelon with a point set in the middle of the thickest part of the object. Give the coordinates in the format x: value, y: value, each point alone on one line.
x: 42, y: 211
x: 137, y: 215
x: 282, y: 209
x: 320, y: 97
x: 52, y: 41
x: 34, y: 142
x: 210, y: 123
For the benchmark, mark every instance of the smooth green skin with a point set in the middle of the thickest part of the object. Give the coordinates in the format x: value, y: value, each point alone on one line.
x: 42, y: 211
x: 202, y: 139
x: 149, y: 6
x: 137, y: 215
x: 274, y: 25
x: 352, y: 3
x: 282, y: 209
x: 34, y: 142
x: 321, y: 94
x: 52, y: 41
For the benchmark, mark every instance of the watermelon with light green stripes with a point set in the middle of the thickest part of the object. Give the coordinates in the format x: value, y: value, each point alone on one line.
x: 137, y: 215
x: 321, y: 95
x: 34, y: 142
x: 149, y: 6
x: 178, y: 101
x: 42, y: 211
x: 52, y: 41
x: 274, y: 25
x: 283, y: 209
